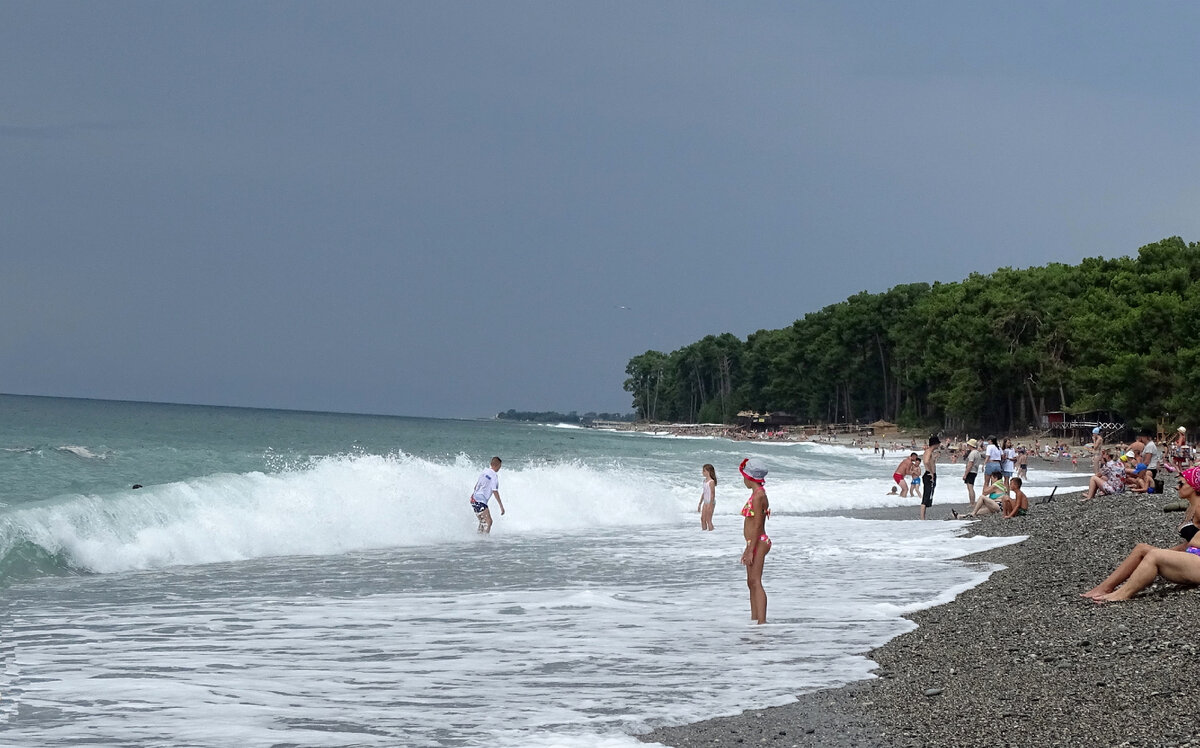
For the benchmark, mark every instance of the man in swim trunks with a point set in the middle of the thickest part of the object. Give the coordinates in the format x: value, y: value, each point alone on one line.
x: 486, y: 487
x: 930, y: 477
x: 972, y: 467
x: 902, y: 471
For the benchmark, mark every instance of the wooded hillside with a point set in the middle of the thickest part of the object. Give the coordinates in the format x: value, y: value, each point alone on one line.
x: 992, y: 351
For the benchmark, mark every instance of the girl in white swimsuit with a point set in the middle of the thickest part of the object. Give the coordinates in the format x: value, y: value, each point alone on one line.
x: 708, y: 497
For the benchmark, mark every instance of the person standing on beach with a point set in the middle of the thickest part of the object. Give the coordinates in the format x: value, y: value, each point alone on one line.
x: 1179, y: 447
x: 971, y: 468
x: 1008, y: 461
x: 708, y: 497
x: 930, y: 476
x: 754, y: 529
x: 992, y: 462
x: 487, y: 486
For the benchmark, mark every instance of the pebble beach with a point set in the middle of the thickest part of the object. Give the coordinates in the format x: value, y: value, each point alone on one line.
x: 1022, y: 659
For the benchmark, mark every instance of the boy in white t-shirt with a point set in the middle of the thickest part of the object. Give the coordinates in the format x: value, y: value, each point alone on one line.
x: 487, y: 486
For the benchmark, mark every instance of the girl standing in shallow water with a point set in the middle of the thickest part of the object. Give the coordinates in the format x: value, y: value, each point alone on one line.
x: 756, y: 511
x: 708, y: 497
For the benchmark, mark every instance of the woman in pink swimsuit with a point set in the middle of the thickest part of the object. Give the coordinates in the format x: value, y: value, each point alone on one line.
x: 756, y: 511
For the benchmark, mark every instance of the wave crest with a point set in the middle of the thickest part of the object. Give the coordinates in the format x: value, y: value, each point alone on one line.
x: 331, y: 505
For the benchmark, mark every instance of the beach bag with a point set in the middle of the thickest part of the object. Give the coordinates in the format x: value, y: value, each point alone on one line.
x: 1158, y: 486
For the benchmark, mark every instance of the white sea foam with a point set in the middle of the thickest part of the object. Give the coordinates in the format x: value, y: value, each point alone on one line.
x: 83, y: 452
x: 340, y: 504
x: 334, y: 505
x: 358, y: 606
x: 574, y: 641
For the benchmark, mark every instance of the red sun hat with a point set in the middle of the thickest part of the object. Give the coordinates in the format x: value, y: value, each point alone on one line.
x: 753, y: 469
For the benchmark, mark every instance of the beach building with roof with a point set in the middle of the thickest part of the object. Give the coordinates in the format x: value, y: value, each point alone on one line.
x: 1078, y: 426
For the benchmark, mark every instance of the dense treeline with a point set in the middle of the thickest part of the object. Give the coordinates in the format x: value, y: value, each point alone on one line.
x: 992, y: 351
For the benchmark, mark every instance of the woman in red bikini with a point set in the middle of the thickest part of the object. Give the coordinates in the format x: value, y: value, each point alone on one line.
x: 756, y: 511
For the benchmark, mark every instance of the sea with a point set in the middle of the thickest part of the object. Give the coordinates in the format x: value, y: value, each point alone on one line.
x: 289, y: 578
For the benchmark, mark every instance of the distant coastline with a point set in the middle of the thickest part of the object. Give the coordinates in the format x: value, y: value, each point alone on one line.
x: 892, y: 440
x: 553, y: 416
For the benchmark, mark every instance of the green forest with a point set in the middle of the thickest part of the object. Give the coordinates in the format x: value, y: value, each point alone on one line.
x: 992, y: 351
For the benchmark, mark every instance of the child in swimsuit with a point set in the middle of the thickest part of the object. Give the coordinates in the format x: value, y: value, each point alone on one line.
x: 1018, y: 505
x: 708, y: 497
x: 756, y: 511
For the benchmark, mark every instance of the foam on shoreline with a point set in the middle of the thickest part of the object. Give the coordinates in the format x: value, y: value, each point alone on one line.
x: 1021, y: 655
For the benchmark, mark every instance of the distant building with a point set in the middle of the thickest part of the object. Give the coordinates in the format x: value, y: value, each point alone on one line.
x: 1079, y: 426
x: 753, y: 421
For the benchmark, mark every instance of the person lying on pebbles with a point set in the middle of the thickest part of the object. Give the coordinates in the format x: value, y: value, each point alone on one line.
x: 1179, y: 564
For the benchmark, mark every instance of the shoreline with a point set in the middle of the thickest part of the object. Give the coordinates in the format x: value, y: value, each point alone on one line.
x: 900, y: 440
x: 1021, y: 659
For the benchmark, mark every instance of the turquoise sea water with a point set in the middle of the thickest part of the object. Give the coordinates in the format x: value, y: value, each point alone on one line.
x: 316, y: 579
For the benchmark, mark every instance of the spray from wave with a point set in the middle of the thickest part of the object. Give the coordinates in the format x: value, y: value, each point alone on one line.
x: 331, y: 505
x: 84, y: 452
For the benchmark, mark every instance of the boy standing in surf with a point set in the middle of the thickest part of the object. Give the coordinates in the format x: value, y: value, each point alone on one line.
x: 487, y: 486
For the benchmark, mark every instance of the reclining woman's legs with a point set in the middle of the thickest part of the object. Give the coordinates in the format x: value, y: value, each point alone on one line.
x: 1173, y: 566
x: 1095, y: 485
x: 1123, y: 571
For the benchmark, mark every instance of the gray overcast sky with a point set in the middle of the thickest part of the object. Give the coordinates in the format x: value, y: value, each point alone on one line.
x: 439, y: 208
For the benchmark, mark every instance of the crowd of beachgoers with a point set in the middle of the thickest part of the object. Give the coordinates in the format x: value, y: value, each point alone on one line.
x: 1038, y: 654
